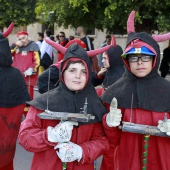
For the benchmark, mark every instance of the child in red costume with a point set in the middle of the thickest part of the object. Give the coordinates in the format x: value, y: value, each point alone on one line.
x: 77, y: 146
x: 143, y: 97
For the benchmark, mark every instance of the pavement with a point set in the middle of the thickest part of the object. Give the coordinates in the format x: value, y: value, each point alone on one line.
x: 22, y: 159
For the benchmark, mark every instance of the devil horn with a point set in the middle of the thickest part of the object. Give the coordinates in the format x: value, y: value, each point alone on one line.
x: 9, y: 29
x: 113, y: 42
x: 98, y: 51
x: 160, y: 38
x: 56, y: 46
x: 130, y: 22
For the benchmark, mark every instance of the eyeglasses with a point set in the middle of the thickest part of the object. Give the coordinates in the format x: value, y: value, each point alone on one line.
x: 146, y: 58
x: 61, y: 35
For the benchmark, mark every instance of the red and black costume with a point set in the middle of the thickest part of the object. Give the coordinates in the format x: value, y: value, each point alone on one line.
x: 89, y: 135
x: 13, y: 97
x: 151, y: 98
x: 24, y: 58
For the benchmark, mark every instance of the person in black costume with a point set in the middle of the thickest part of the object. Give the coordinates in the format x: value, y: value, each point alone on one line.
x: 113, y: 68
x: 13, y: 99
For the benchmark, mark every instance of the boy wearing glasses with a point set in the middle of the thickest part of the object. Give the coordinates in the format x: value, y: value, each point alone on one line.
x: 140, y: 61
x: 143, y: 98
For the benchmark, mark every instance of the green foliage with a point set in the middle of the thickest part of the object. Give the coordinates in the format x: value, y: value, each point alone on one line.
x: 151, y: 15
x: 21, y: 12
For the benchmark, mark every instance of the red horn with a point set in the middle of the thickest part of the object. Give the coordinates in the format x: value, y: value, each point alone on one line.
x: 98, y: 51
x: 9, y: 29
x: 113, y: 42
x: 160, y: 38
x: 130, y: 22
x: 56, y: 46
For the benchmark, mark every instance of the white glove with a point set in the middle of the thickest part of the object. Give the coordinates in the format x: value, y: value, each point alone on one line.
x: 62, y: 132
x: 28, y: 72
x: 69, y: 152
x: 164, y: 126
x: 113, y: 118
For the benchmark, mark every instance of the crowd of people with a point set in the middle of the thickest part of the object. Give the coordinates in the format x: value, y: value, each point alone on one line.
x: 119, y: 93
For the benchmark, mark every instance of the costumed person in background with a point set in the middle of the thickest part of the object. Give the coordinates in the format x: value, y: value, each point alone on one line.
x: 26, y: 58
x: 100, y: 56
x: 77, y: 146
x: 46, y: 53
x: 113, y: 68
x: 143, y: 98
x: 165, y: 63
x: 13, y: 98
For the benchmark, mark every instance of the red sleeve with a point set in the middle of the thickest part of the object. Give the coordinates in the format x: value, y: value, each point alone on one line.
x: 32, y: 136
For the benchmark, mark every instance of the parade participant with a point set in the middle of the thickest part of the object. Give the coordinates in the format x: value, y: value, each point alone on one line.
x: 26, y: 58
x: 46, y: 82
x: 143, y: 97
x: 85, y: 142
x: 13, y: 97
x: 113, y: 67
x: 106, y: 42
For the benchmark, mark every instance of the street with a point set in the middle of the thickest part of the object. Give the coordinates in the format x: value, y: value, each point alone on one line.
x: 22, y: 160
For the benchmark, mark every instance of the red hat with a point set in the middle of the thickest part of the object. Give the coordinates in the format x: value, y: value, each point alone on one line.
x: 22, y: 33
x: 79, y: 42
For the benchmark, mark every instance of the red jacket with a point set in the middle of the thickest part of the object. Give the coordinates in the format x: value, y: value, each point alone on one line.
x: 33, y: 137
x: 129, y: 146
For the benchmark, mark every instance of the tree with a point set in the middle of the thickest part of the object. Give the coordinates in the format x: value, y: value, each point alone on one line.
x: 21, y: 12
x: 151, y: 15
